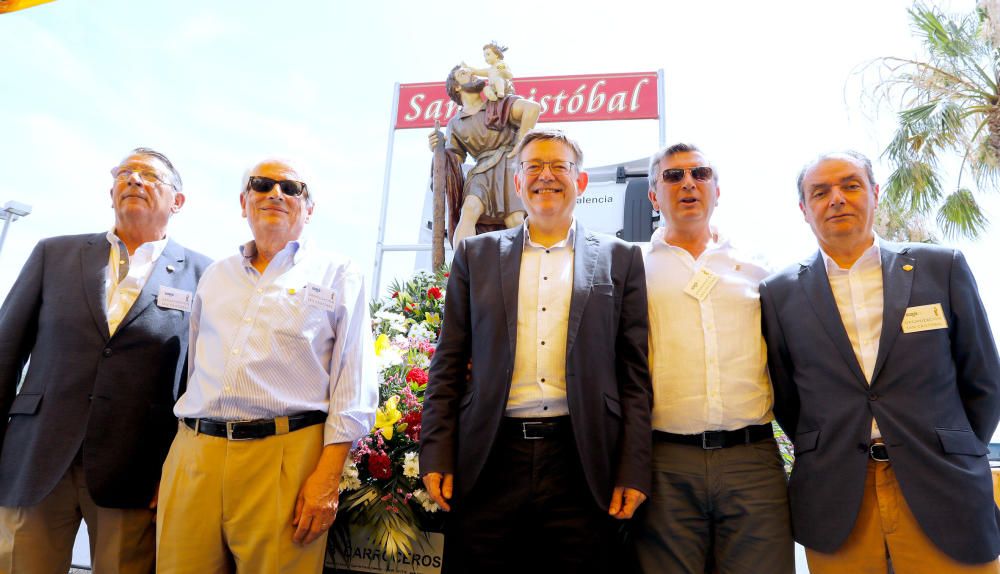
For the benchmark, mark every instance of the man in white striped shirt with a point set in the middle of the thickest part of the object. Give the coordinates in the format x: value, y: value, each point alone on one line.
x: 282, y: 382
x: 719, y: 501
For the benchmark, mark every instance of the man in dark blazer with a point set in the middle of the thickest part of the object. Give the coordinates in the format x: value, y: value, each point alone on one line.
x: 887, y: 380
x: 103, y: 319
x: 548, y: 436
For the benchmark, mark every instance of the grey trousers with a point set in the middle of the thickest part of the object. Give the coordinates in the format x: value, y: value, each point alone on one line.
x: 722, y: 510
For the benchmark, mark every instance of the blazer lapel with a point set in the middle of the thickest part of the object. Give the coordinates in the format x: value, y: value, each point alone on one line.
x: 585, y: 250
x: 173, y: 255
x: 511, y: 246
x: 896, y: 286
x: 94, y: 270
x: 816, y: 285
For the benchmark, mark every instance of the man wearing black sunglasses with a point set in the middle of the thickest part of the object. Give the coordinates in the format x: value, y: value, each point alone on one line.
x: 282, y: 382
x: 719, y: 501
x: 103, y: 319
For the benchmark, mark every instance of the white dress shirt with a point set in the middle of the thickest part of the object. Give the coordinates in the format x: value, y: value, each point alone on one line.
x: 858, y: 293
x: 707, y: 358
x: 127, y: 276
x: 259, y: 348
x: 545, y: 288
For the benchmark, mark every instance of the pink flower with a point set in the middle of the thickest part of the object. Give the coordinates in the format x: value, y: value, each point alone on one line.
x: 412, y: 420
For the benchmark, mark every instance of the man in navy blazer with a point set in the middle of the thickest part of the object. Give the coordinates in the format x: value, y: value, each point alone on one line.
x: 547, y: 438
x: 887, y: 380
x: 103, y: 319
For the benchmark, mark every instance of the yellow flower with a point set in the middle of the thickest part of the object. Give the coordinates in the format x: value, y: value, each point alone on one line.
x: 432, y: 319
x: 387, y: 416
x: 381, y: 344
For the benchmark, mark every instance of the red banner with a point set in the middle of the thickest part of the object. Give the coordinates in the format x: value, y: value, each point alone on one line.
x: 563, y: 99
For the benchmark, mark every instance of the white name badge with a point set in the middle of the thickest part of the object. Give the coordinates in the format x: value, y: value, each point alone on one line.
x: 924, y: 318
x: 322, y: 297
x: 170, y: 298
x: 701, y: 284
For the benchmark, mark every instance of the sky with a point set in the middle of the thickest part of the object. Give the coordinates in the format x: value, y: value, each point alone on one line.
x: 761, y: 87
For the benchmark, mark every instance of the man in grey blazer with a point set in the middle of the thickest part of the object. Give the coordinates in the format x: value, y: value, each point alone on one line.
x: 887, y: 380
x: 103, y: 319
x: 547, y: 440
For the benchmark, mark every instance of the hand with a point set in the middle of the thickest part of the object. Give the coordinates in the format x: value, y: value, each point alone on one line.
x: 439, y: 490
x: 432, y: 140
x: 316, y: 507
x: 155, y: 501
x: 624, y: 501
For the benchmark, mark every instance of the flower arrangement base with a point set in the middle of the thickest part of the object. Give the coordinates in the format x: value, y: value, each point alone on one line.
x: 357, y: 553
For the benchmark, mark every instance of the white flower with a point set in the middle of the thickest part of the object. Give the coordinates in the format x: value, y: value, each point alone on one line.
x: 389, y: 357
x: 411, y: 465
x: 396, y: 321
x: 420, y: 332
x: 349, y: 476
x: 426, y: 501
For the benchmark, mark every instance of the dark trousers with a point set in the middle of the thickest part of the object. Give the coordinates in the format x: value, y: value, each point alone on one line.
x: 723, y: 510
x: 530, y: 511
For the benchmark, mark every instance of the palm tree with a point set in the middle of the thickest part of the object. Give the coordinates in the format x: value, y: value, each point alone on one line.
x: 950, y: 110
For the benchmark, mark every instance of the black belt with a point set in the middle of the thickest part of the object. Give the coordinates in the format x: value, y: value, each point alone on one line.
x: 710, y: 440
x: 535, y: 429
x: 878, y: 452
x: 246, y: 430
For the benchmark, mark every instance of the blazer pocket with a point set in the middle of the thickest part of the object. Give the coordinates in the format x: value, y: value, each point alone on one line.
x: 956, y: 441
x: 25, y: 404
x: 607, y: 289
x: 806, y: 441
x: 613, y: 404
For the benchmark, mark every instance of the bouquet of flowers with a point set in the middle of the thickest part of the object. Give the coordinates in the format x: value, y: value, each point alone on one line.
x: 380, y: 486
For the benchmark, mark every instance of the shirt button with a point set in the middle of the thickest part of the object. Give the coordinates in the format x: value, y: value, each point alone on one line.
x: 543, y: 379
x: 546, y: 250
x: 545, y: 278
x: 543, y: 342
x: 545, y: 408
x: 543, y: 308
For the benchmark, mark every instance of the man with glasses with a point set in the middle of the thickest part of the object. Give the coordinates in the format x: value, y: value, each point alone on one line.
x: 886, y: 378
x: 546, y: 441
x: 103, y: 319
x: 281, y: 383
x: 719, y: 501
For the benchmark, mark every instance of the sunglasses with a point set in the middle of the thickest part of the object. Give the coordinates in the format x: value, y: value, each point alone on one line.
x: 676, y: 174
x: 288, y: 187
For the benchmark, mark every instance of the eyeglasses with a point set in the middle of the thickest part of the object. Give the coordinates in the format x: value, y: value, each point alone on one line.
x: 558, y: 167
x: 146, y: 175
x: 676, y: 174
x: 288, y: 187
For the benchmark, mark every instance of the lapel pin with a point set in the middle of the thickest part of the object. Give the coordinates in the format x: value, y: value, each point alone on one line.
x: 907, y: 268
x: 737, y: 267
x: 291, y: 291
x: 170, y: 268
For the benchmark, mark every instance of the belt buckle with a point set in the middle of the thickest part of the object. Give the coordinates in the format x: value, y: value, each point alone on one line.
x: 524, y: 430
x: 707, y: 445
x: 230, y: 425
x: 882, y: 452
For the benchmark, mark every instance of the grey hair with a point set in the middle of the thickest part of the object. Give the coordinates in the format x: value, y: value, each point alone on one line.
x: 854, y: 155
x: 150, y: 152
x: 539, y: 134
x: 654, y: 161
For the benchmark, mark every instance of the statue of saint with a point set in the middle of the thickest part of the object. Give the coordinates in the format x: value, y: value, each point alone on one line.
x: 488, y: 131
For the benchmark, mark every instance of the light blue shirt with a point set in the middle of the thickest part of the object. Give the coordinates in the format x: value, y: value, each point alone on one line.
x: 260, y: 348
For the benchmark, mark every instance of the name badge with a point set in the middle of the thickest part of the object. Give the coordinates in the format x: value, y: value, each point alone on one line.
x: 701, y: 284
x: 924, y: 318
x: 170, y: 298
x: 322, y: 297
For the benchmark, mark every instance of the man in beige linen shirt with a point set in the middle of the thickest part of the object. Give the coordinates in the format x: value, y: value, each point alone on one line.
x: 719, y: 501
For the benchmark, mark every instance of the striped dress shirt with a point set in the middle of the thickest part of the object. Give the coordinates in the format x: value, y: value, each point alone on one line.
x: 261, y: 348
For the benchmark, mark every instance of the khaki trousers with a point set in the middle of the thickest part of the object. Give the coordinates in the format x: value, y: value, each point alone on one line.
x: 885, y: 522
x: 227, y: 506
x: 39, y: 539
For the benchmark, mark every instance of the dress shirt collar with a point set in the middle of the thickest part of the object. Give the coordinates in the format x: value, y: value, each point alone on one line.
x: 566, y: 241
x: 717, y: 242
x: 155, y: 248
x: 871, y: 258
x: 298, y: 248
